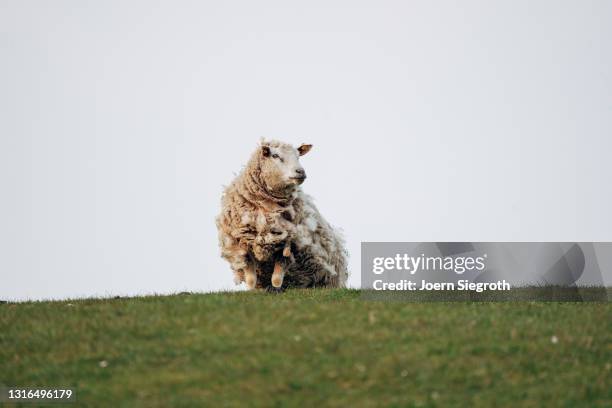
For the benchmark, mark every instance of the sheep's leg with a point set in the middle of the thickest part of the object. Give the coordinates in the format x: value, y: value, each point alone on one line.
x: 277, y: 275
x: 287, y: 249
x: 238, y: 277
x: 250, y: 276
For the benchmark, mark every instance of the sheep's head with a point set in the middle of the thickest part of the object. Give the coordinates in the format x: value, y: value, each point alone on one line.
x: 280, y: 165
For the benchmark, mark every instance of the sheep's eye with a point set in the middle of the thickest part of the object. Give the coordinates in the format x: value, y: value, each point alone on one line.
x: 275, y: 156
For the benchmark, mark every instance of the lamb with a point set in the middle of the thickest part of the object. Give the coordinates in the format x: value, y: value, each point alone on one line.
x: 271, y: 233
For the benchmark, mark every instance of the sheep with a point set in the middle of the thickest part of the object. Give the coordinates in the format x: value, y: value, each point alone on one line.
x: 270, y: 231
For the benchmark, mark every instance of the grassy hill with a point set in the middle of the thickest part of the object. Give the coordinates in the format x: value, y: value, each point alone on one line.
x: 317, y: 347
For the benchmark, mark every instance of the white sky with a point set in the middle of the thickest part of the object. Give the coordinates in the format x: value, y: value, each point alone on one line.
x: 431, y: 121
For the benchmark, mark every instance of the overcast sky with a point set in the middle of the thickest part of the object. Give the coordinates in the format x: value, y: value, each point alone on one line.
x: 120, y: 122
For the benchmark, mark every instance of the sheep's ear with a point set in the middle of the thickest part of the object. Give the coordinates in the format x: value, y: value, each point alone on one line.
x: 265, y: 151
x: 305, y: 148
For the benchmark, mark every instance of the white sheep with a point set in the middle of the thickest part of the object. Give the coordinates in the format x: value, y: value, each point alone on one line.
x: 271, y: 233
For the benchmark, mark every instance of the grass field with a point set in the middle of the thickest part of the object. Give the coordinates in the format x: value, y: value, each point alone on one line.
x: 308, y: 348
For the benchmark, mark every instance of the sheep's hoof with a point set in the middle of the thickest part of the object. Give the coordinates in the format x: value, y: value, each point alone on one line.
x: 272, y: 289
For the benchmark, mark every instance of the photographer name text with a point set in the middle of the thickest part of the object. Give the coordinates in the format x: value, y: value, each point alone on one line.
x: 464, y: 284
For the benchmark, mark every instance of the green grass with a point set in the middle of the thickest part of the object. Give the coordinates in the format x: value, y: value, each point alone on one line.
x: 309, y: 348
